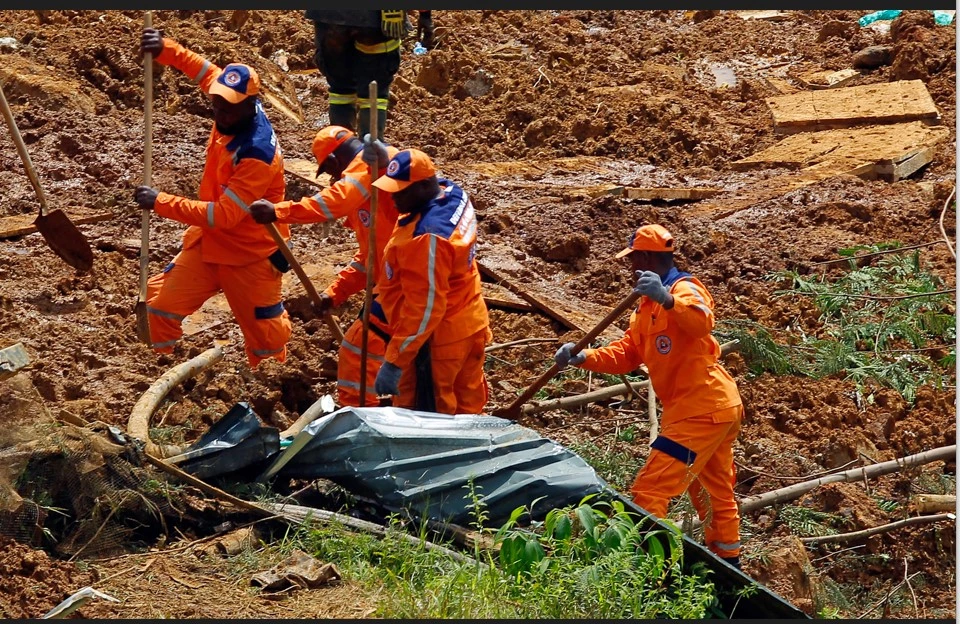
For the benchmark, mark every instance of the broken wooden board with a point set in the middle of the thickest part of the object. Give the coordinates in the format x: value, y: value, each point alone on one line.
x: 533, y: 168
x: 888, y: 144
x: 496, y: 296
x: 893, y: 170
x: 573, y: 314
x: 278, y: 101
x: 306, y: 170
x: 828, y: 79
x: 780, y: 85
x: 890, y: 102
x: 20, y: 225
x: 667, y: 194
x: 12, y: 359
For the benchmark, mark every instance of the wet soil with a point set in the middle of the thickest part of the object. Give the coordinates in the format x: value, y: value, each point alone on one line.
x: 651, y: 98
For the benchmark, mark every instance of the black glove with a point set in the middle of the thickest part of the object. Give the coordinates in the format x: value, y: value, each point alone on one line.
x: 374, y: 152
x: 393, y: 24
x: 263, y: 211
x: 146, y: 197
x: 425, y: 30
x: 151, y: 41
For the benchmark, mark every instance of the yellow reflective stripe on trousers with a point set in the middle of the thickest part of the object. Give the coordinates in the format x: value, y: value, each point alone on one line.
x: 378, y: 48
x: 382, y: 104
x: 341, y: 98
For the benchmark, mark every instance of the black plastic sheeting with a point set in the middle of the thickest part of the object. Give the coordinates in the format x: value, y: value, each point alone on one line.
x: 426, y: 464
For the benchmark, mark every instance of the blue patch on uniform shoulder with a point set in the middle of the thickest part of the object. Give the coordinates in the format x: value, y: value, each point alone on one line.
x: 438, y: 217
x: 259, y: 143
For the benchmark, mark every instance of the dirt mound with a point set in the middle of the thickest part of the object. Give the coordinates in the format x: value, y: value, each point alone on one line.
x: 31, y: 583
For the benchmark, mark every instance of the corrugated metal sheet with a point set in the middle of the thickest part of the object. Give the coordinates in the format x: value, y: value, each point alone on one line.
x: 425, y: 462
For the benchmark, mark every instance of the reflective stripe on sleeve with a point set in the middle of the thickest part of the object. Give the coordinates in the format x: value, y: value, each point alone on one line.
x: 431, y: 293
x: 363, y: 190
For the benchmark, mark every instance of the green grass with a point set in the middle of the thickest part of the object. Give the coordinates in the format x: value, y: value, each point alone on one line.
x: 861, y: 339
x: 584, y: 561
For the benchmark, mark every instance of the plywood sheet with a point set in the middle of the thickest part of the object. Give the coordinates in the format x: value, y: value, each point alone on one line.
x: 890, y: 102
x: 889, y: 142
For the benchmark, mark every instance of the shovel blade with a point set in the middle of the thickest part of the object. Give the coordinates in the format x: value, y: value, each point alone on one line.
x: 143, y: 322
x: 65, y: 239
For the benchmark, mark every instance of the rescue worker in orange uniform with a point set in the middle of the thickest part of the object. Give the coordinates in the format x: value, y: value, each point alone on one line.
x: 223, y: 247
x: 430, y: 290
x: 341, y: 155
x: 702, y: 410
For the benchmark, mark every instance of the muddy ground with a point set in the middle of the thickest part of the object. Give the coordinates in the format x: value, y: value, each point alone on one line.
x: 503, y: 86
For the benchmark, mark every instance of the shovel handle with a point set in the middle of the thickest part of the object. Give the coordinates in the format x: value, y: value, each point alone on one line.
x: 147, y: 159
x: 513, y: 409
x: 371, y: 246
x: 24, y: 155
x: 332, y: 322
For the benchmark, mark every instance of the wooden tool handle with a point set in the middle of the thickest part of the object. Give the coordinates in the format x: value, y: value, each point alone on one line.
x: 623, y: 306
x: 24, y: 155
x: 332, y: 321
x: 147, y: 159
x: 371, y: 245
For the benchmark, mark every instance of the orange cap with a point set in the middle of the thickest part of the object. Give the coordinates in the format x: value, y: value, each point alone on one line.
x: 407, y: 167
x: 649, y: 238
x: 236, y: 82
x: 329, y: 139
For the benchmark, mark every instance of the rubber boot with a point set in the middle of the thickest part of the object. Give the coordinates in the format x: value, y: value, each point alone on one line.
x: 343, y: 115
x: 364, y: 123
x: 734, y: 561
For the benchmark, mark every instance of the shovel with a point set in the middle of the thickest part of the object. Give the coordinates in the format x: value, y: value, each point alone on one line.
x: 61, y: 234
x: 513, y: 410
x: 332, y: 322
x: 140, y: 310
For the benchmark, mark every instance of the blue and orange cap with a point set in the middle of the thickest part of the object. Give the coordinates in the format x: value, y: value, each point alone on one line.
x: 236, y: 83
x: 649, y: 238
x: 407, y: 167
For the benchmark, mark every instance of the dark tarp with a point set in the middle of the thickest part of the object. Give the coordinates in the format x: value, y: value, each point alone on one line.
x: 423, y: 463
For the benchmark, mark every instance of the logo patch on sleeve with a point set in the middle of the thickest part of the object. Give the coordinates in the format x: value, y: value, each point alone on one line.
x: 663, y: 344
x: 364, y: 216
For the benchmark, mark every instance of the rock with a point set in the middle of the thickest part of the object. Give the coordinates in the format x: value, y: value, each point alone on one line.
x: 872, y: 57
x: 479, y: 84
x: 910, y: 61
x: 8, y: 44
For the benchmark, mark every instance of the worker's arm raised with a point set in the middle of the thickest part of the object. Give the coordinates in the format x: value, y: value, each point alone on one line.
x: 169, y: 52
x: 692, y: 308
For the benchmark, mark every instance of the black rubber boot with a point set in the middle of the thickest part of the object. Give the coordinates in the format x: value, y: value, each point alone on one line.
x: 343, y: 115
x: 734, y: 561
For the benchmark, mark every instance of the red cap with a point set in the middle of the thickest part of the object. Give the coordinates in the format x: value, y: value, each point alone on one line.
x: 649, y: 238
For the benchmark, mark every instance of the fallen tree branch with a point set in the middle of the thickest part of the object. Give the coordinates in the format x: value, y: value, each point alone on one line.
x: 927, y: 503
x: 943, y: 231
x: 877, y: 253
x: 876, y: 297
x: 138, y: 426
x: 752, y: 503
x: 883, y: 528
x: 886, y: 598
x: 606, y: 393
x: 514, y: 343
x: 803, y: 478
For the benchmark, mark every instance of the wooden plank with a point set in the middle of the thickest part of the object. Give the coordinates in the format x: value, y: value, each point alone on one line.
x: 780, y: 85
x: 768, y: 15
x: 828, y: 79
x: 669, y: 194
x: 497, y: 296
x: 534, y: 168
x: 505, y: 304
x: 878, y: 143
x: 910, y: 164
x: 305, y: 170
x: 20, y: 225
x: 569, y: 312
x: 891, y: 102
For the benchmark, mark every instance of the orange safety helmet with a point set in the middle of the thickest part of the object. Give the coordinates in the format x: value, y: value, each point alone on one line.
x: 329, y: 139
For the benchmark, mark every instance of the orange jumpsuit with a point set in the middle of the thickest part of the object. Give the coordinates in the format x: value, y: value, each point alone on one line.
x: 350, y: 197
x: 702, y: 409
x: 224, y: 248
x: 430, y: 292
